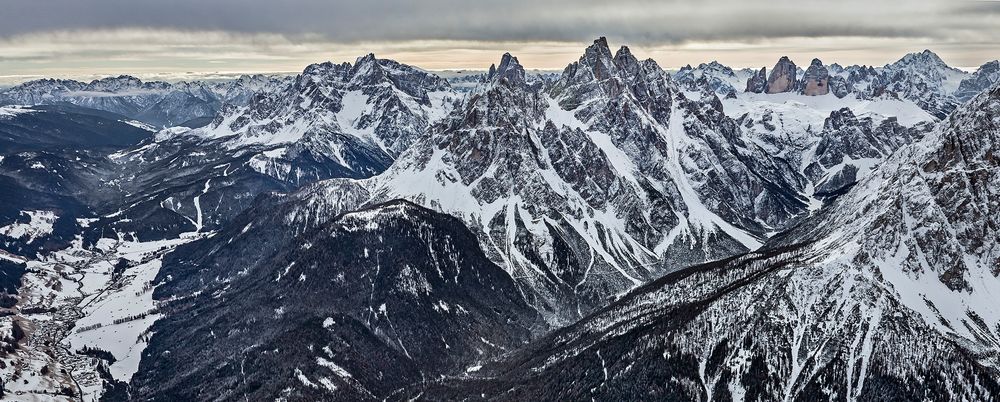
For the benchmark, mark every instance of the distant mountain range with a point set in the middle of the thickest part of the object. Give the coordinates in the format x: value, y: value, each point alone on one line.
x: 156, y: 103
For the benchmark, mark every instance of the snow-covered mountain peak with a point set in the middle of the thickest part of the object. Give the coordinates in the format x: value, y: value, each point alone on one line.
x: 242, y: 89
x: 597, y: 59
x: 715, y: 66
x: 368, y: 60
x: 925, y: 69
x: 924, y: 59
x: 627, y: 62
x: 510, y: 71
x: 378, y: 102
x: 121, y: 83
x: 367, y: 70
x: 624, y: 53
x: 713, y: 77
x: 600, y: 75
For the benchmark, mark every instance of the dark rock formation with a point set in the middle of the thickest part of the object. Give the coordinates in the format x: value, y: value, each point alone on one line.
x: 987, y: 75
x: 816, y: 79
x: 509, y: 70
x: 782, y: 78
x: 758, y: 82
x: 839, y: 86
x: 847, y: 141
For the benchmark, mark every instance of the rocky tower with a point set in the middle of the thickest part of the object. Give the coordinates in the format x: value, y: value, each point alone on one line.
x: 509, y: 70
x: 758, y: 82
x: 816, y: 80
x: 782, y: 78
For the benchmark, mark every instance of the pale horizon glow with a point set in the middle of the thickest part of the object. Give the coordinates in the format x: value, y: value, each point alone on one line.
x: 218, y: 39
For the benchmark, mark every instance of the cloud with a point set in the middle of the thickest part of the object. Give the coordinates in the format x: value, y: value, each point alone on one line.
x: 72, y: 37
x: 638, y: 21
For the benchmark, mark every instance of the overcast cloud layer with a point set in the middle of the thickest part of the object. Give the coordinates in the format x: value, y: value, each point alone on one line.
x: 96, y: 36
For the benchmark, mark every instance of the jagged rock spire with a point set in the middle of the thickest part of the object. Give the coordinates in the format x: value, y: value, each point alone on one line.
x: 598, y: 57
x: 758, y: 82
x: 816, y: 80
x: 782, y: 78
x: 599, y: 73
x: 624, y: 60
x: 510, y: 71
x: 366, y: 70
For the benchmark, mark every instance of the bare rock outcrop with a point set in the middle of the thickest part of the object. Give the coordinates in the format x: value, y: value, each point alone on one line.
x: 839, y: 86
x: 782, y: 78
x: 816, y: 80
x: 757, y: 83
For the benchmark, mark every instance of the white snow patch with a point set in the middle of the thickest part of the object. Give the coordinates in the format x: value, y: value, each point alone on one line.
x: 11, y: 111
x: 355, y: 105
x: 139, y: 124
x: 339, y: 371
x: 275, y: 153
x: 791, y: 104
x: 40, y: 224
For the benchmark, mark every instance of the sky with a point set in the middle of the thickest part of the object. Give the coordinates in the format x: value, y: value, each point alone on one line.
x: 180, y: 39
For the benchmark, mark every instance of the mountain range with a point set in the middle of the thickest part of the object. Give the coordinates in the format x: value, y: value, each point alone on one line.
x: 616, y: 231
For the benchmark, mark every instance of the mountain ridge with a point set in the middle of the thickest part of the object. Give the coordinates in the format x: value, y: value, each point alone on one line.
x: 370, y: 230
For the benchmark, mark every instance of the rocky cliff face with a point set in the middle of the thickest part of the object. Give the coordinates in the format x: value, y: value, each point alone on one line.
x: 757, y: 83
x: 851, y: 147
x: 839, y: 86
x: 816, y: 80
x: 984, y: 78
x: 783, y: 77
